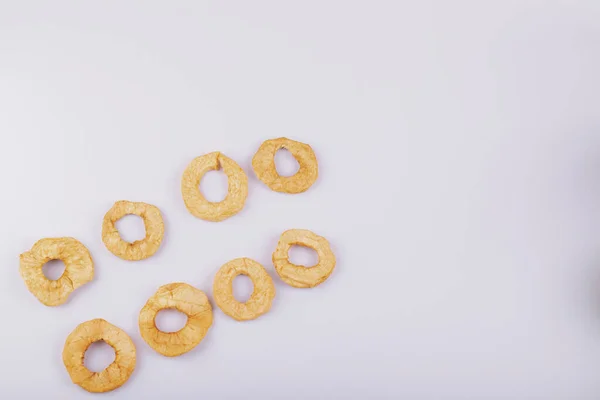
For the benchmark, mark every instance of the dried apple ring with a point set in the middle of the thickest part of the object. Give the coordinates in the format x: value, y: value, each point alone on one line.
x: 140, y: 249
x: 298, y: 275
x: 186, y: 299
x: 263, y: 164
x: 79, y: 269
x: 237, y: 187
x: 113, y: 376
x: 262, y: 295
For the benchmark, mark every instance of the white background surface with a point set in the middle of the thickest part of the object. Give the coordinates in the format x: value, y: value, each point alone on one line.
x: 459, y: 154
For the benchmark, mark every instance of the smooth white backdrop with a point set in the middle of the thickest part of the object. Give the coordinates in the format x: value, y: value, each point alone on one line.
x: 459, y: 154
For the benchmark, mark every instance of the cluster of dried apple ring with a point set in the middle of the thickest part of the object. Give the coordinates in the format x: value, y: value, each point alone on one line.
x: 180, y: 296
x: 263, y: 164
